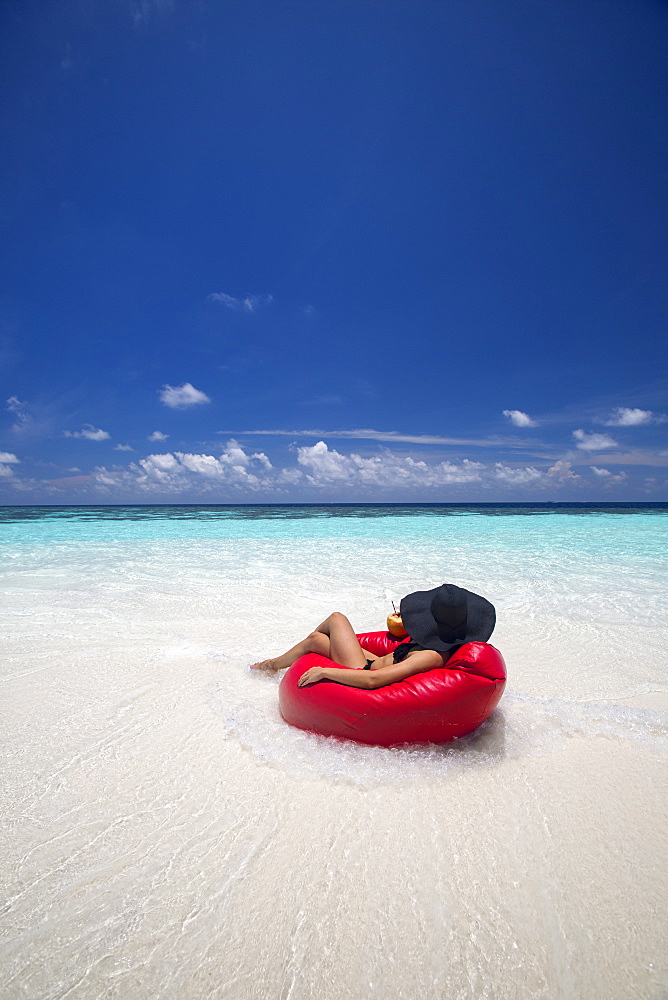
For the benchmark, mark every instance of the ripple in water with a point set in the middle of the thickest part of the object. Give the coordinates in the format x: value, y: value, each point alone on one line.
x: 522, y: 726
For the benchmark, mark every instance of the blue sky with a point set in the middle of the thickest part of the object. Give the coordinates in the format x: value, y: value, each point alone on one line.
x: 333, y: 251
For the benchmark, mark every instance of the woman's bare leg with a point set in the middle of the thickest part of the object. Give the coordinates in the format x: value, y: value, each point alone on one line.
x: 343, y: 645
x: 316, y: 642
x: 333, y: 638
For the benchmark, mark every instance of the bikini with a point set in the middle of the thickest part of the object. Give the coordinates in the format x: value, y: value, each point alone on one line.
x: 400, y: 653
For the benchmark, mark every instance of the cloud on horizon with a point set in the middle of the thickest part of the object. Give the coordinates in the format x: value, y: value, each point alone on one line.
x: 388, y: 437
x: 657, y: 459
x: 236, y: 472
x: 234, y: 466
x: 324, y: 467
x: 607, y: 477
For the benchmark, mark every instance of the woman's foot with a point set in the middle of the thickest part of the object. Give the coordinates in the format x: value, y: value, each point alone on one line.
x: 269, y: 666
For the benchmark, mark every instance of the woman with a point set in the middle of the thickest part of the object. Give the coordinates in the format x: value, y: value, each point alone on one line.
x: 438, y: 622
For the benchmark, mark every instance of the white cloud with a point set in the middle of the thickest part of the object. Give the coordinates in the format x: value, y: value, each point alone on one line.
x: 30, y: 420
x: 90, y: 433
x: 519, y: 419
x: 326, y: 467
x: 558, y: 474
x: 228, y: 467
x: 9, y: 458
x: 205, y: 465
x: 562, y: 472
x: 249, y: 303
x: 123, y: 447
x: 387, y: 437
x: 516, y: 477
x: 234, y: 455
x: 179, y: 397
x: 290, y: 476
x: 325, y: 464
x: 260, y: 457
x: 182, y: 470
x: 636, y: 457
x: 319, y: 467
x: 593, y: 442
x: 236, y: 472
x: 600, y: 472
x: 449, y: 472
x: 159, y: 463
x: 625, y: 416
x: 23, y: 418
x: 157, y: 436
x: 158, y: 469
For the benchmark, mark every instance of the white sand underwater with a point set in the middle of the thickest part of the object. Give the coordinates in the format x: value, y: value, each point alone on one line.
x: 165, y: 834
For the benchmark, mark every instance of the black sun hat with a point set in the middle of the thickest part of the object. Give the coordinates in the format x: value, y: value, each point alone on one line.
x: 447, y: 616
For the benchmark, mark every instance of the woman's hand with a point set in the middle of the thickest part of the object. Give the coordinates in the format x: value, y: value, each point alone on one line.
x: 312, y: 676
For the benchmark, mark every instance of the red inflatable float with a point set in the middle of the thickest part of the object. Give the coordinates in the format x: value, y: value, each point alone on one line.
x: 431, y: 707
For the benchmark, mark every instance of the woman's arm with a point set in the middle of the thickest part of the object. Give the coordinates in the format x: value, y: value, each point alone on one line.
x: 415, y: 663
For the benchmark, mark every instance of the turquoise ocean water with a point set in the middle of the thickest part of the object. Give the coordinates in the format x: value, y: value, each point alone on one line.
x: 168, y: 835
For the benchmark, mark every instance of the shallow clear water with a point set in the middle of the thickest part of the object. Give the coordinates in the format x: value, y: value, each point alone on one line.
x: 168, y: 835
